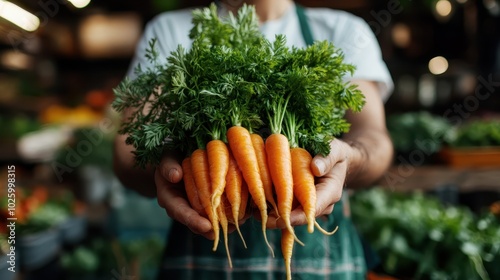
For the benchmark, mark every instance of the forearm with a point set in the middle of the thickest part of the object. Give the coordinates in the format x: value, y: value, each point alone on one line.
x: 372, y: 156
x: 372, y: 150
x: 131, y: 176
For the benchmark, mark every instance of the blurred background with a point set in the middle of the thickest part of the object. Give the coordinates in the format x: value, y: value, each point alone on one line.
x: 61, y: 59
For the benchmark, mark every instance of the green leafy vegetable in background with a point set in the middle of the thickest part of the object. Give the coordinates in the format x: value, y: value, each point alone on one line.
x: 46, y: 216
x: 105, y: 257
x: 477, y: 133
x: 98, y: 143
x: 417, y: 130
x: 418, y: 237
x: 231, y: 69
x: 13, y: 127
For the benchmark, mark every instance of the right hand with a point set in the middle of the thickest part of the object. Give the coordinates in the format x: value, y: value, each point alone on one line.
x: 172, y: 197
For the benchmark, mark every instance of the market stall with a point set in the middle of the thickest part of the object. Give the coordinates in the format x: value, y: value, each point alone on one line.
x: 65, y: 214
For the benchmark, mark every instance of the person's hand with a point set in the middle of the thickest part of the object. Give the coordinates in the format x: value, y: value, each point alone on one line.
x: 172, y: 197
x: 330, y: 172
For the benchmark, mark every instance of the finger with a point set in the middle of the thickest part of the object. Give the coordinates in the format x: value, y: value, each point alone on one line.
x: 322, y: 164
x: 298, y: 217
x: 329, y: 189
x: 274, y: 222
x: 171, y: 169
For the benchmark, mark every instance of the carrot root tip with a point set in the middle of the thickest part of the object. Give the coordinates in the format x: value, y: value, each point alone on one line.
x: 322, y: 230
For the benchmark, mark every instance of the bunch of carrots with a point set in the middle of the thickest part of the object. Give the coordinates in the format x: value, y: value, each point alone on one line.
x: 221, y: 177
x: 211, y: 101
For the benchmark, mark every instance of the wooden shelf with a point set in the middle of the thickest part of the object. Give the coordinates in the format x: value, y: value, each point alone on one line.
x: 428, y: 178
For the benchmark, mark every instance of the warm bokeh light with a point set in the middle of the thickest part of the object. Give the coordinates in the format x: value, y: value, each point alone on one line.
x: 79, y: 3
x: 438, y: 65
x: 401, y: 35
x: 16, y: 60
x: 492, y: 6
x: 109, y: 35
x: 443, y: 8
x: 19, y: 16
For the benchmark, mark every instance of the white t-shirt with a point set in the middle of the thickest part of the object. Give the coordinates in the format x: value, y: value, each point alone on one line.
x: 346, y: 31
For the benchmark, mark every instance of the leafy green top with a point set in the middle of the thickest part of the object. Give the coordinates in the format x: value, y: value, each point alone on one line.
x: 232, y: 75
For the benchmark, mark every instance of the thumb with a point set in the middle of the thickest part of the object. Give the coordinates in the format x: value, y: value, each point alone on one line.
x: 323, y: 164
x: 320, y: 165
x: 171, y: 169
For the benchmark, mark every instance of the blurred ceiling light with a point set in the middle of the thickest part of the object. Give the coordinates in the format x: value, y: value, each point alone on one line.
x: 19, y: 16
x: 16, y: 60
x: 492, y: 6
x: 438, y: 65
x: 443, y: 8
x: 109, y: 35
x: 401, y: 35
x: 79, y: 3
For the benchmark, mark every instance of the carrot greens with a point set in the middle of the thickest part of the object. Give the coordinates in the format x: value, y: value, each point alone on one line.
x: 232, y: 72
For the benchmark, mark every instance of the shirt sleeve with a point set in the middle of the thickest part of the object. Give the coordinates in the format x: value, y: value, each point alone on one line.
x: 361, y: 48
x: 139, y: 57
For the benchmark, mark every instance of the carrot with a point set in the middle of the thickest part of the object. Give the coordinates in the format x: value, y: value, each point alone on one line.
x: 201, y: 174
x: 279, y: 162
x: 190, y: 187
x: 280, y: 165
x: 265, y: 175
x: 218, y: 161
x: 244, y: 200
x: 236, y: 193
x: 241, y: 146
x: 221, y: 212
x: 287, y: 240
x: 304, y: 188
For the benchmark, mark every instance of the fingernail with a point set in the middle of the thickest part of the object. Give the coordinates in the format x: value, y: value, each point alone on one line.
x: 321, y: 166
x: 171, y: 174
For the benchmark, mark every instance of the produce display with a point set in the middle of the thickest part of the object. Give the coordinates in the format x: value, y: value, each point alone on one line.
x: 419, y: 237
x: 476, y: 133
x: 418, y: 130
x: 246, y: 113
x: 38, y: 211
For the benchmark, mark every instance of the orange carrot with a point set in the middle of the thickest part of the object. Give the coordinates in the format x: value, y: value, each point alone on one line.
x: 221, y: 212
x: 287, y: 240
x: 190, y: 187
x: 244, y: 200
x: 280, y: 164
x: 241, y: 146
x: 235, y: 193
x: 265, y: 175
x: 304, y: 188
x: 218, y: 161
x: 201, y: 174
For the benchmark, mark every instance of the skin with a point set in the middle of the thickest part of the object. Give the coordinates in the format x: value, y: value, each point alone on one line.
x: 357, y: 160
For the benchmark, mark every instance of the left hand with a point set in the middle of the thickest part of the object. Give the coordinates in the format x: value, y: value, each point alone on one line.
x: 331, y: 172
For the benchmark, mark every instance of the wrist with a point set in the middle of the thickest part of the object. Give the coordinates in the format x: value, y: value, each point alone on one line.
x: 357, y: 157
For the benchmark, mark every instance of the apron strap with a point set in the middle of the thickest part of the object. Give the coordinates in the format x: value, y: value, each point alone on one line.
x: 304, y: 25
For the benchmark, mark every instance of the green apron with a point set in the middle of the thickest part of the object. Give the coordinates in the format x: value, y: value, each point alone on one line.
x: 340, y: 256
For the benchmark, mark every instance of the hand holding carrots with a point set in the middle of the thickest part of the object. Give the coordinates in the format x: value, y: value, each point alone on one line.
x: 330, y: 172
x: 171, y: 195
